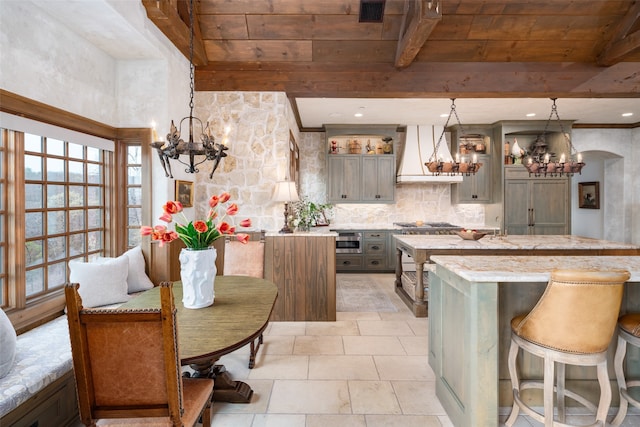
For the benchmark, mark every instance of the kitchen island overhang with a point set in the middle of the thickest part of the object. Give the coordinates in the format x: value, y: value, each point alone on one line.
x: 472, y: 300
x: 422, y: 247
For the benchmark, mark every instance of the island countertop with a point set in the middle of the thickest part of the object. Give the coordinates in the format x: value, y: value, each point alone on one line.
x: 521, y: 242
x: 481, y: 268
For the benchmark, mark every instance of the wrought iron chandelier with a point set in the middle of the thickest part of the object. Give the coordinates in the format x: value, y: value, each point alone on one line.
x: 459, y: 166
x: 175, y: 146
x: 540, y: 162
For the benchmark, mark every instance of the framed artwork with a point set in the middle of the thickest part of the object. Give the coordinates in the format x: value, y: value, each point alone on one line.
x: 589, y: 195
x: 184, y: 193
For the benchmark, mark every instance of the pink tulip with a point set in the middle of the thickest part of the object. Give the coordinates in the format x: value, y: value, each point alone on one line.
x: 224, y: 227
x: 245, y: 223
x: 166, y: 217
x: 224, y: 197
x: 172, y: 207
x: 200, y: 226
x: 145, y: 230
x: 232, y: 209
x: 242, y: 238
x: 213, y: 201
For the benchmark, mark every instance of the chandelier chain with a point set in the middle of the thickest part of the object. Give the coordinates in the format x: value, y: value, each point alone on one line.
x: 191, y: 67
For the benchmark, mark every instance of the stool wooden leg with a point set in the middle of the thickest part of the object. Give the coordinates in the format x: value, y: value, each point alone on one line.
x: 560, y: 376
x: 605, y: 392
x: 515, y: 383
x: 618, y: 362
x: 549, y: 367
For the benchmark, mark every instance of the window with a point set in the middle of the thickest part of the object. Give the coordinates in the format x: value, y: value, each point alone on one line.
x: 134, y: 194
x: 70, y: 188
x: 4, y: 281
x: 64, y: 209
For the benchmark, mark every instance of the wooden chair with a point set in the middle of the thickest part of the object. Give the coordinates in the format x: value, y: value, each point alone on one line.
x: 572, y: 323
x: 629, y: 332
x: 127, y: 367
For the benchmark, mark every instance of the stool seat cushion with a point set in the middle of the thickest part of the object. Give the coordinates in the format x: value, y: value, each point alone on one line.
x: 630, y: 323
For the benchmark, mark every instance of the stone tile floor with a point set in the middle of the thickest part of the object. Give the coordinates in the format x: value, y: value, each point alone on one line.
x: 367, y: 369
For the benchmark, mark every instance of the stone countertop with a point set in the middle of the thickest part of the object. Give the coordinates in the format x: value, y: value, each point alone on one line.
x: 314, y: 232
x: 530, y: 268
x: 427, y: 242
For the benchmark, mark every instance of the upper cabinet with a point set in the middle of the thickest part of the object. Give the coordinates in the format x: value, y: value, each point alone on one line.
x: 361, y: 164
x: 533, y: 205
x: 474, y: 143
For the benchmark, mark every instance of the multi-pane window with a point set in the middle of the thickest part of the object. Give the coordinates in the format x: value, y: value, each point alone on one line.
x: 134, y: 194
x: 64, y: 208
x: 4, y: 281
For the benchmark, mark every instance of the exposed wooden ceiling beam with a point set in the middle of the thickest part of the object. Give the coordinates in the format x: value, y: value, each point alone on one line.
x: 625, y: 40
x: 164, y: 14
x: 439, y: 79
x: 419, y: 19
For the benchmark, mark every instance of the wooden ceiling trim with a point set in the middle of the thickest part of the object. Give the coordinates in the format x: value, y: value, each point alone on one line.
x: 260, y: 50
x: 166, y: 17
x: 478, y: 79
x: 567, y: 8
x: 419, y: 20
x: 342, y: 7
x: 625, y: 40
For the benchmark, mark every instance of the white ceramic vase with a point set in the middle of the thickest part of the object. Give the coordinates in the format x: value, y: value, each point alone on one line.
x: 198, y: 273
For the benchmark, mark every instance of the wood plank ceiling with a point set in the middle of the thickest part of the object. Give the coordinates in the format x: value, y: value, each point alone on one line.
x: 447, y: 48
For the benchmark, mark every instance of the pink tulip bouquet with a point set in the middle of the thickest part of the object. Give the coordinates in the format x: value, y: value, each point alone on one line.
x: 198, y: 234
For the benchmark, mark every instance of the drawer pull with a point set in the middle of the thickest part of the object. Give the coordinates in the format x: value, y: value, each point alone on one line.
x: 375, y: 247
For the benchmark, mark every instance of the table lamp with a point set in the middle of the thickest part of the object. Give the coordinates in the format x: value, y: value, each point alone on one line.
x: 286, y: 192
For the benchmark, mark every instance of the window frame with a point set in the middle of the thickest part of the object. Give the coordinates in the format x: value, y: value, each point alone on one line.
x: 23, y: 315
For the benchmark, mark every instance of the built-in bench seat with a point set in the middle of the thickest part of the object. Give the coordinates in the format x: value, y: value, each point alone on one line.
x: 43, y: 368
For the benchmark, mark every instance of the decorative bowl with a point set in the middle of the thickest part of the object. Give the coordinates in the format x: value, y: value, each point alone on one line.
x: 470, y: 235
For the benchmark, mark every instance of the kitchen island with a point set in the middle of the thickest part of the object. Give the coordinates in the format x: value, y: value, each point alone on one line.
x: 422, y: 247
x: 472, y: 301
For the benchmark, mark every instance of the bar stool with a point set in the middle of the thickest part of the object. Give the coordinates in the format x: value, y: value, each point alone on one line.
x: 572, y: 323
x: 628, y: 332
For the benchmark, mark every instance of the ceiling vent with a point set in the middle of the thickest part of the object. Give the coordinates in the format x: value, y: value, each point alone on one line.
x: 371, y: 10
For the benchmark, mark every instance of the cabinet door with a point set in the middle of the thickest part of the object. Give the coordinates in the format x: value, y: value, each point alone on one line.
x: 476, y: 188
x: 378, y: 178
x: 343, y: 179
x: 516, y: 206
x: 550, y: 205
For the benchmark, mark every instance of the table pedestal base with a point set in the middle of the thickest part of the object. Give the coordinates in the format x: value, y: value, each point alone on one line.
x: 224, y: 389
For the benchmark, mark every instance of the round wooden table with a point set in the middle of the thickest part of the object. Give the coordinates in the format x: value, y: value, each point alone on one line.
x: 239, y: 315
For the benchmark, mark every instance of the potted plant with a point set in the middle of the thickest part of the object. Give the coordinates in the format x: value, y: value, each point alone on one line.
x: 307, y: 214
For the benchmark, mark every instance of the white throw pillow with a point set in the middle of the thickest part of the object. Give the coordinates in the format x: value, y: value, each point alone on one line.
x: 101, y: 283
x: 137, y: 279
x: 7, y: 345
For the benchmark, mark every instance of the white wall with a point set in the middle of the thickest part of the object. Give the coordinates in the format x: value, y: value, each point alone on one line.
x: 616, y: 153
x: 44, y: 60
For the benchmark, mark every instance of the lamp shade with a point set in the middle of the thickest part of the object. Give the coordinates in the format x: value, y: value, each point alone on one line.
x: 285, y: 191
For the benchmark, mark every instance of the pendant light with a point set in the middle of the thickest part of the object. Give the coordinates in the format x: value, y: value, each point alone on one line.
x: 185, y: 152
x: 461, y: 165
x: 541, y: 163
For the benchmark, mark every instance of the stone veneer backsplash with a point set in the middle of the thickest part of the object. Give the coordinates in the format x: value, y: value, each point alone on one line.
x: 261, y: 123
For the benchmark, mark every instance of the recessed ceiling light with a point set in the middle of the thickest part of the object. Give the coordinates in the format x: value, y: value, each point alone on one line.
x: 360, y: 112
x: 444, y: 115
x: 531, y: 114
x: 627, y: 114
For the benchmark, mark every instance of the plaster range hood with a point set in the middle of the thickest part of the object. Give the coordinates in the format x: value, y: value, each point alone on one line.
x: 418, y: 148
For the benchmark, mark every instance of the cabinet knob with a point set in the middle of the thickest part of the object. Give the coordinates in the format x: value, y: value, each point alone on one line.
x: 375, y: 262
x: 346, y: 262
x: 375, y: 247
